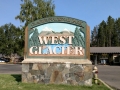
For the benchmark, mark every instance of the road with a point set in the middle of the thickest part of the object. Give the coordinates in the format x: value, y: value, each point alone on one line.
x: 109, y: 74
x: 10, y: 68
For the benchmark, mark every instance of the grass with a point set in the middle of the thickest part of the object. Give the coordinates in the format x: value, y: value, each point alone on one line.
x: 13, y: 82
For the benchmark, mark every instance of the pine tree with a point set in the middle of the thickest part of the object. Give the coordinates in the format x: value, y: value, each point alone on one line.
x: 115, y: 35
x: 108, y: 33
x: 78, y: 39
x: 117, y: 30
x: 110, y: 29
x: 35, y: 38
x: 101, y: 34
x: 94, y: 35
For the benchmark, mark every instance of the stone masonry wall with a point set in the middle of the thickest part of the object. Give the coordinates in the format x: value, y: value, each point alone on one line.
x: 49, y: 73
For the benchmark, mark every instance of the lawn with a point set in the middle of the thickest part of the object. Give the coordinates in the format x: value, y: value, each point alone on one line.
x: 13, y: 82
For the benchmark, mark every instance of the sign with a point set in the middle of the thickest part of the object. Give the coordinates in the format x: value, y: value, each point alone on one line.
x: 57, y: 37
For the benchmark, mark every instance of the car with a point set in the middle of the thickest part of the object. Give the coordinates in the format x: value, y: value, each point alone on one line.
x: 7, y: 59
x: 2, y: 59
x: 20, y: 59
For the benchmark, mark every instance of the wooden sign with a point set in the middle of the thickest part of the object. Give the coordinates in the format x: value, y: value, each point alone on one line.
x: 57, y: 37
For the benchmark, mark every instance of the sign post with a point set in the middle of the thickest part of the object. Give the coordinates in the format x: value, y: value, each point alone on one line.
x: 57, y: 51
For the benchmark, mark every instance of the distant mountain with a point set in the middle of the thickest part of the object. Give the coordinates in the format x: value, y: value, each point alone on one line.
x: 49, y: 32
x: 66, y: 30
x: 46, y: 31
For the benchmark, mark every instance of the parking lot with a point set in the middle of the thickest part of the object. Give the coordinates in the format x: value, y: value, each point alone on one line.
x: 110, y: 75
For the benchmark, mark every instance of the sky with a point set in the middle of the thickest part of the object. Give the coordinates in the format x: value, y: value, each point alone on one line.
x: 91, y: 11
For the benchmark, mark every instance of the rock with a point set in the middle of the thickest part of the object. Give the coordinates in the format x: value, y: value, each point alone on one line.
x: 61, y: 67
x: 59, y: 78
x: 76, y: 68
x: 30, y: 66
x: 35, y: 72
x: 29, y: 77
x: 35, y: 67
x: 54, y: 76
x: 24, y: 77
x: 25, y: 67
x: 88, y: 82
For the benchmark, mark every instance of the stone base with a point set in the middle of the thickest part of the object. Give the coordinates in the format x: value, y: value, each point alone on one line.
x: 57, y: 73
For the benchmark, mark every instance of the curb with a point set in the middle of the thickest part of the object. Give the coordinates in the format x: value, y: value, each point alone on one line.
x: 2, y: 63
x: 106, y: 84
x: 10, y: 62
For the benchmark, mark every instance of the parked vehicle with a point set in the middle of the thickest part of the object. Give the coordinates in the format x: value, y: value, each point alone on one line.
x: 1, y: 60
x: 20, y: 59
x: 5, y: 59
x: 116, y: 60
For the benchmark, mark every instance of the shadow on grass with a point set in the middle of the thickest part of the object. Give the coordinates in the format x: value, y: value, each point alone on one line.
x: 17, y: 77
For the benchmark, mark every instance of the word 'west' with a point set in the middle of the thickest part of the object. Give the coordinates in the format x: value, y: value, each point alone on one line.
x: 59, y: 41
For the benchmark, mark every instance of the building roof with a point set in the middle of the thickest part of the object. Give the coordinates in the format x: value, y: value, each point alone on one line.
x: 104, y: 49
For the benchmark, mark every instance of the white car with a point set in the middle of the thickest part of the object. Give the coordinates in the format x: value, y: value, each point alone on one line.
x: 1, y: 60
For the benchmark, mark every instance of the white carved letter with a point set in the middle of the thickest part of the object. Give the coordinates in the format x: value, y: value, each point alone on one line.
x: 54, y: 39
x: 62, y: 39
x: 45, y: 39
x: 80, y: 50
x: 31, y: 50
x: 39, y: 50
x: 70, y: 39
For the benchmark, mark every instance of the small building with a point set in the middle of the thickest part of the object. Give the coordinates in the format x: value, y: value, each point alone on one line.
x: 110, y: 54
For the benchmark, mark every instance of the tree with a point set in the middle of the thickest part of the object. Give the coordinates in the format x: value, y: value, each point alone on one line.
x: 32, y: 10
x: 78, y: 39
x: 10, y: 40
x: 94, y: 39
x: 2, y: 40
x: 102, y: 34
x: 115, y: 35
x: 117, y: 32
x: 110, y: 29
x: 35, y: 38
x: 107, y: 34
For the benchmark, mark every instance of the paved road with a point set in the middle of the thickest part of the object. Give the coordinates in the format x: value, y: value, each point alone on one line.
x: 10, y: 68
x: 110, y: 75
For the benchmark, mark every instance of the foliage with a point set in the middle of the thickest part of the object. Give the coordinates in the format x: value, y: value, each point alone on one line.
x: 12, y: 37
x: 101, y: 34
x: 78, y: 39
x: 11, y: 40
x: 107, y: 34
x: 13, y: 82
x: 32, y: 10
x: 94, y: 34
